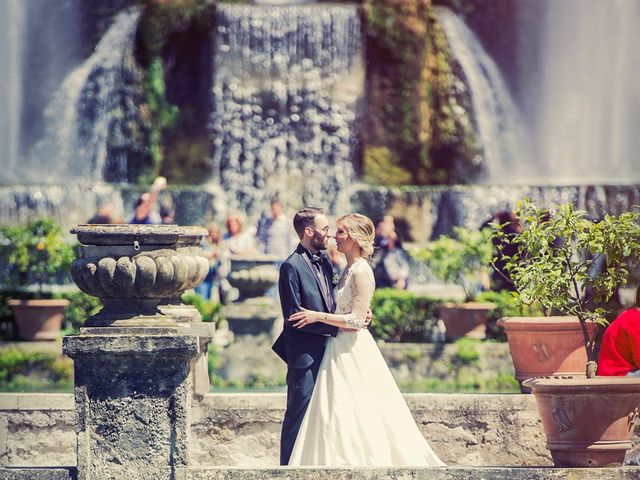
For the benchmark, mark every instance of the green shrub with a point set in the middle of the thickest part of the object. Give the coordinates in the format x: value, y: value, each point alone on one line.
x: 508, y: 304
x: 81, y: 306
x: 498, y: 383
x: 210, y: 311
x: 401, y: 316
x: 34, y: 371
x: 463, y: 260
x: 467, y: 353
x: 34, y: 253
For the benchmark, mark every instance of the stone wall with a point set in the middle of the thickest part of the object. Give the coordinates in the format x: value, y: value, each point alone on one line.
x: 250, y: 360
x: 244, y: 429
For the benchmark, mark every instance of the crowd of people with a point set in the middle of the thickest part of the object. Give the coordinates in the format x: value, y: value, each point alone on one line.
x: 390, y: 261
x: 271, y: 236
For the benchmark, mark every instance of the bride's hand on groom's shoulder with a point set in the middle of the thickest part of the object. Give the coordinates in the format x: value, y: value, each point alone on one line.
x: 304, y: 317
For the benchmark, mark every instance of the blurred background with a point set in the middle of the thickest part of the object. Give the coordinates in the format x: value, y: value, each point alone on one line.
x: 426, y: 115
x: 320, y: 103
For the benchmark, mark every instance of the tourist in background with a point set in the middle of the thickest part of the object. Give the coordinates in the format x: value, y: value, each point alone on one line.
x: 104, y: 215
x: 620, y: 347
x: 212, y: 250
x: 274, y: 235
x: 144, y: 213
x: 391, y: 266
x: 504, y: 246
x: 238, y: 241
x: 167, y: 214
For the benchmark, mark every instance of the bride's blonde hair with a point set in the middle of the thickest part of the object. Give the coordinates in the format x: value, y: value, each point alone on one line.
x: 361, y: 229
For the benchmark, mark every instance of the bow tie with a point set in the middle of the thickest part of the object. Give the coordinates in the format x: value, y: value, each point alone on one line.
x: 316, y: 259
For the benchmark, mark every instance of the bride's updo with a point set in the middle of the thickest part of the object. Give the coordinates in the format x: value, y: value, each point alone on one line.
x: 361, y: 230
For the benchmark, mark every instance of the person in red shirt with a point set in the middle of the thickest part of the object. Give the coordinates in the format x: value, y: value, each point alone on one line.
x: 620, y: 348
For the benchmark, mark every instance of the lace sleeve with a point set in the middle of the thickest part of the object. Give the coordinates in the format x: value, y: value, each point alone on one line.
x: 362, y: 286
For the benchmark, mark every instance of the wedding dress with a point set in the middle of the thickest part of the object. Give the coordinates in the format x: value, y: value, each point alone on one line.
x: 357, y: 415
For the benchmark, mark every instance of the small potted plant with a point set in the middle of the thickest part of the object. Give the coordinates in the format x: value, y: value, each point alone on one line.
x: 463, y: 260
x: 35, y: 253
x: 573, y: 266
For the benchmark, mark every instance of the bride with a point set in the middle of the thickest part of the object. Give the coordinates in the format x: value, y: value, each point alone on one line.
x: 357, y: 415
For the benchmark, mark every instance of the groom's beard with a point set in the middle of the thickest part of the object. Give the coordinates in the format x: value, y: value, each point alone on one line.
x: 319, y: 242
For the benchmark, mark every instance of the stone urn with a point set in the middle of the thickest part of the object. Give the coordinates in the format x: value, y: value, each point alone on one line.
x: 138, y: 272
x: 136, y: 361
x: 588, y: 422
x: 255, y: 311
x: 546, y: 347
x: 39, y: 319
x: 465, y: 319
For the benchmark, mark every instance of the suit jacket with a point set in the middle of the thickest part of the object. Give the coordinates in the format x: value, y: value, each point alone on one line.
x: 299, y: 286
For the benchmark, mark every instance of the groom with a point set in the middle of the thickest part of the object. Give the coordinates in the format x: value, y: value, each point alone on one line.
x: 305, y: 281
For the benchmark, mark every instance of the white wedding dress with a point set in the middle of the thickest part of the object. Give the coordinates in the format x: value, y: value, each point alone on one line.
x: 357, y: 415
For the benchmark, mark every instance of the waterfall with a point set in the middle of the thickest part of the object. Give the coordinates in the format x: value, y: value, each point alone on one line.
x: 287, y: 80
x: 589, y: 105
x: 497, y: 118
x: 11, y: 46
x: 82, y: 113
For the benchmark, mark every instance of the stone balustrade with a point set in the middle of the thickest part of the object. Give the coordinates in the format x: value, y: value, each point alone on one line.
x: 242, y: 430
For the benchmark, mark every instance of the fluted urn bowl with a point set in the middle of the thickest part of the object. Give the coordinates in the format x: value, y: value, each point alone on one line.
x: 253, y: 275
x: 133, y: 268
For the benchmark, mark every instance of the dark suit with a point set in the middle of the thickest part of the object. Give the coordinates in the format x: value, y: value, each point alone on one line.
x: 302, y: 349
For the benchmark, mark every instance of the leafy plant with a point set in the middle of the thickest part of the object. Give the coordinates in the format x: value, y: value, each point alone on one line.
x: 463, y: 260
x: 401, y: 316
x: 34, y: 253
x: 81, y: 306
x: 508, y: 304
x: 34, y: 371
x: 210, y: 311
x: 571, y: 264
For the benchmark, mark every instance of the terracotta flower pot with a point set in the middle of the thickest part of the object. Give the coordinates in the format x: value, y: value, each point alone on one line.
x: 545, y: 347
x: 38, y: 319
x: 588, y: 422
x: 465, y: 319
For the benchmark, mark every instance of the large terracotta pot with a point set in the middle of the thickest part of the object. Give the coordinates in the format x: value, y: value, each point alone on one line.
x: 465, y: 319
x: 588, y: 422
x: 545, y: 347
x: 38, y: 319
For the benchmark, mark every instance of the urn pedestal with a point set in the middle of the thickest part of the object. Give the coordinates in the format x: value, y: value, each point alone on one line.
x: 136, y: 360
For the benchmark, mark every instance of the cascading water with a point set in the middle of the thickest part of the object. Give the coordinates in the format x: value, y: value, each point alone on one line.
x: 589, y: 102
x: 81, y: 116
x: 287, y: 80
x: 12, y: 19
x: 498, y: 121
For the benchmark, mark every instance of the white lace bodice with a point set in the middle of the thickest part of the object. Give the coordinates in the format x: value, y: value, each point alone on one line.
x: 354, y: 293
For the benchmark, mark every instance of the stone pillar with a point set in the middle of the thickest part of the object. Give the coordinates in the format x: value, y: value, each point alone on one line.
x: 133, y: 359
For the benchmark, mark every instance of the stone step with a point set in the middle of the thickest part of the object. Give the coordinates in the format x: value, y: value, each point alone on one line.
x: 309, y: 473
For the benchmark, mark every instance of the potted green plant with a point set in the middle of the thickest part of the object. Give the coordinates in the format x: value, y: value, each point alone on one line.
x: 573, y: 266
x: 35, y: 253
x: 464, y: 260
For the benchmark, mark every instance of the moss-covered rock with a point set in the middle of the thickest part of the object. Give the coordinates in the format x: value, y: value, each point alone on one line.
x: 419, y: 127
x: 174, y: 45
x: 453, y: 148
x: 396, y: 43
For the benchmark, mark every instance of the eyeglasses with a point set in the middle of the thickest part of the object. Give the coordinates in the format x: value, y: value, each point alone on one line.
x: 323, y: 230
